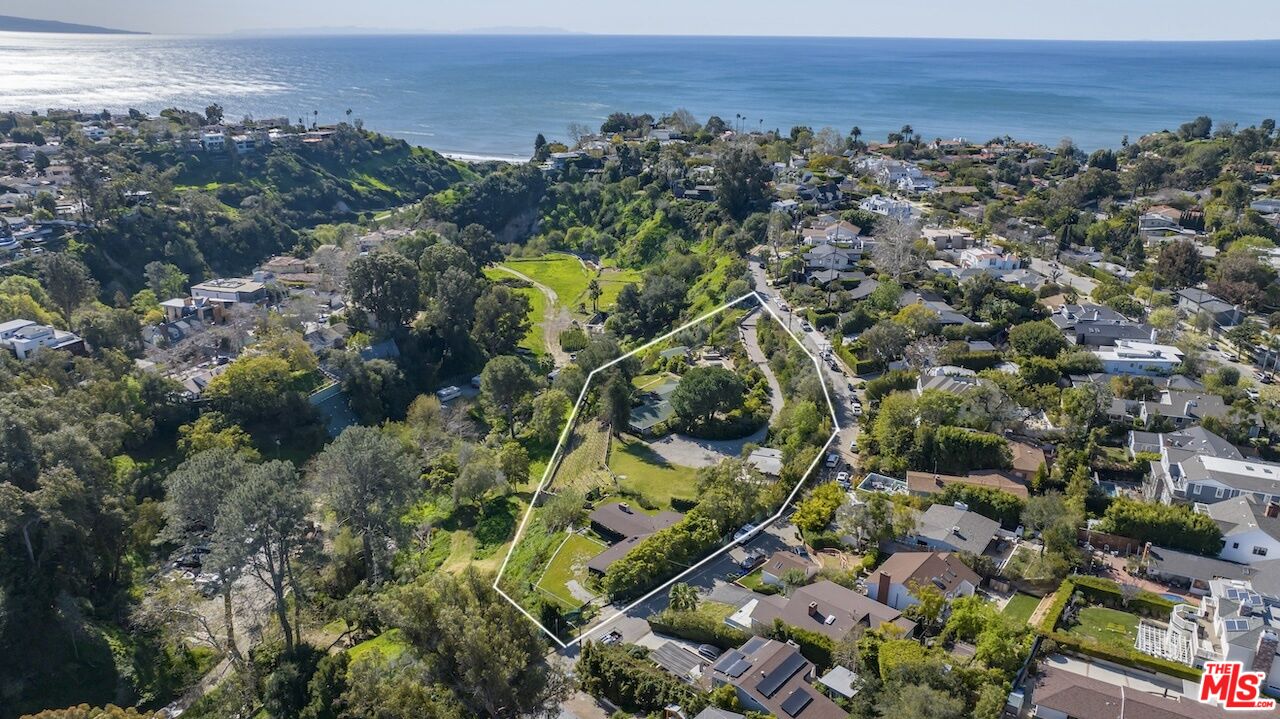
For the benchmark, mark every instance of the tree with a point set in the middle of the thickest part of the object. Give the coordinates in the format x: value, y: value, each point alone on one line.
x: 501, y: 320
x: 253, y: 388
x: 261, y: 524
x: 1041, y: 338
x: 550, y: 409
x: 1129, y: 592
x: 929, y: 605
x: 594, y: 292
x: 742, y: 181
x: 682, y: 598
x: 110, y: 328
x: 513, y: 460
x: 505, y: 383
x: 66, y: 280
x: 366, y: 480
x: 1180, y: 264
x: 477, y: 642
x: 704, y: 392
x: 213, y: 114
x: 895, y: 252
x: 481, y: 473
x: 386, y: 284
x: 885, y: 341
x: 166, y: 280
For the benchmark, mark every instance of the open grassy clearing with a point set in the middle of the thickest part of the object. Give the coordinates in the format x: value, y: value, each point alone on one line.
x: 564, y: 274
x: 611, y: 283
x: 1020, y: 607
x: 533, y: 340
x: 1107, y: 626
x: 648, y: 381
x: 569, y: 565
x: 641, y: 470
x: 389, y: 644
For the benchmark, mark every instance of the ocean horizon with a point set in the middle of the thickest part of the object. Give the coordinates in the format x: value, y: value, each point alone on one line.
x: 488, y: 95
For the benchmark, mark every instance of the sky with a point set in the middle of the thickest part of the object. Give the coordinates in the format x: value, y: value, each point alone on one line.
x: 1029, y: 19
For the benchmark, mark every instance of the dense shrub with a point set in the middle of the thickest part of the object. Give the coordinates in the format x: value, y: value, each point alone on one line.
x: 697, y: 627
x: 990, y: 502
x: 1164, y: 525
x: 626, y: 677
x: 957, y: 450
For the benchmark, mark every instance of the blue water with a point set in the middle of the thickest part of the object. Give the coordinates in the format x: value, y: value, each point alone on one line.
x: 489, y: 95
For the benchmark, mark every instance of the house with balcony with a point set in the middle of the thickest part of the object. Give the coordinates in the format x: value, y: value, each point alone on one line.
x: 24, y: 338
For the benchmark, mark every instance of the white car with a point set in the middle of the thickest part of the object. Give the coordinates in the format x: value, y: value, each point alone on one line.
x: 1252, y: 392
x: 842, y: 479
x: 856, y: 407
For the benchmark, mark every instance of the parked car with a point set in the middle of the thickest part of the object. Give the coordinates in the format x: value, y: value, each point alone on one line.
x: 612, y: 637
x: 856, y: 407
x: 709, y: 652
x: 853, y: 445
x: 747, y: 531
x: 1252, y: 392
x: 806, y: 326
x: 842, y: 479
x: 833, y: 460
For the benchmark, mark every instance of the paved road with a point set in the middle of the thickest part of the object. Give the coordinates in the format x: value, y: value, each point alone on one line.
x: 837, y: 381
x: 1082, y: 285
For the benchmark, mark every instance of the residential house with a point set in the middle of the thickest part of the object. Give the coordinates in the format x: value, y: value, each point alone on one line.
x: 947, y: 378
x: 887, y: 206
x: 829, y: 257
x: 891, y: 583
x: 925, y: 484
x: 766, y: 460
x: 1180, y: 408
x: 1250, y: 528
x: 203, y: 309
x: 944, y: 528
x: 989, y: 259
x: 947, y: 315
x: 782, y: 563
x: 1193, y: 301
x: 1194, y: 572
x: 1089, y: 325
x: 1059, y: 693
x: 1238, y: 621
x: 774, y: 678
x: 827, y: 608
x: 1131, y: 357
x: 1027, y: 461
x: 230, y: 290
x: 24, y: 338
x: 625, y: 527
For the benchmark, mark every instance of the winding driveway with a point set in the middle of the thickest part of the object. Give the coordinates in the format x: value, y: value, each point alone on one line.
x: 692, y: 452
x: 557, y: 320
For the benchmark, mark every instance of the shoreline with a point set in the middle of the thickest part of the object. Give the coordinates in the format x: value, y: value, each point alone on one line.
x: 476, y: 157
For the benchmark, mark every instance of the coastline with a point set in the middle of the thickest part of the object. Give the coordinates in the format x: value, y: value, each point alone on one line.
x: 474, y: 157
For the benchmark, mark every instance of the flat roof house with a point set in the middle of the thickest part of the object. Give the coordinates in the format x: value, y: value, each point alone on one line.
x: 230, y: 289
x: 24, y: 338
x: 1132, y: 357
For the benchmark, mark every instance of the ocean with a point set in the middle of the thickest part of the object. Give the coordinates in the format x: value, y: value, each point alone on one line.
x: 489, y: 95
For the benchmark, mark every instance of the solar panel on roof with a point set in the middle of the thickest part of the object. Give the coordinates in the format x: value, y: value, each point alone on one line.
x: 738, y: 668
x: 779, y: 676
x: 796, y: 702
x: 723, y: 663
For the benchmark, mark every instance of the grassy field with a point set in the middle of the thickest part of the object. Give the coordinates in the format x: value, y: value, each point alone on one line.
x: 1107, y: 626
x: 753, y: 581
x: 611, y: 283
x: 647, y: 381
x: 583, y: 464
x: 1020, y: 607
x: 564, y: 274
x: 653, y: 477
x: 388, y: 643
x: 569, y: 564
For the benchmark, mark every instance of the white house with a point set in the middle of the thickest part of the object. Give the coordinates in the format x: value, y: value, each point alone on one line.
x: 988, y: 258
x: 1250, y: 529
x: 24, y: 338
x: 1139, y: 358
x: 889, y: 207
x: 891, y: 583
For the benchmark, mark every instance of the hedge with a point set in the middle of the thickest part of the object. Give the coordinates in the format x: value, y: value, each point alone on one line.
x: 1107, y: 593
x: 697, y: 627
x: 815, y: 647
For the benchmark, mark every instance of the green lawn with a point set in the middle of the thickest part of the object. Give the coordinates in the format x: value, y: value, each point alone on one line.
x: 569, y: 564
x: 564, y: 274
x: 753, y: 581
x: 1107, y: 626
x: 649, y: 381
x: 1020, y: 607
x: 656, y: 479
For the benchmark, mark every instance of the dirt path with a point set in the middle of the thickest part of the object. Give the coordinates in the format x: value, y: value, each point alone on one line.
x: 751, y: 339
x: 557, y: 320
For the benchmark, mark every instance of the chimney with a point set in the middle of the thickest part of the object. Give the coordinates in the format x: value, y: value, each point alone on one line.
x: 882, y: 589
x: 813, y: 609
x: 1272, y: 510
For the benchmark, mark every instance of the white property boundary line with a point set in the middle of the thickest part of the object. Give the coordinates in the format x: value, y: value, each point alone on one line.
x: 546, y: 474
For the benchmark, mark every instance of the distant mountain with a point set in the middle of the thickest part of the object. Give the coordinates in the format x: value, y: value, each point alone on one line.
x: 9, y: 23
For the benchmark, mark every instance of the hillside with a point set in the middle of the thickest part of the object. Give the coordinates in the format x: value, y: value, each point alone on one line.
x: 9, y: 23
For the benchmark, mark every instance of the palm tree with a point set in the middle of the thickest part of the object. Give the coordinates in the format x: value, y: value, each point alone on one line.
x: 856, y: 132
x: 315, y: 118
x: 907, y: 131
